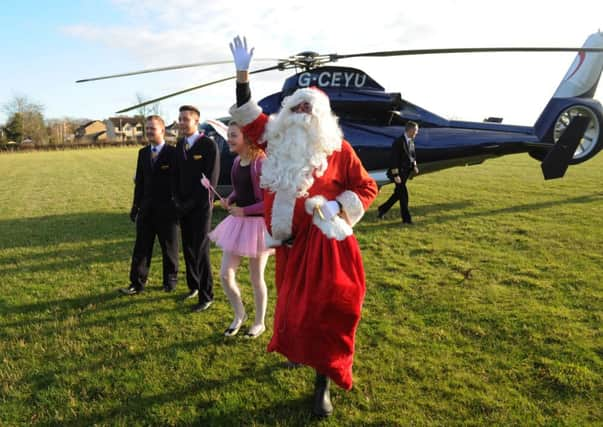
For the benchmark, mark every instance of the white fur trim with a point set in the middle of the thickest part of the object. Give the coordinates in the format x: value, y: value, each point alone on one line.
x: 270, y: 242
x: 352, y: 206
x: 334, y: 228
x: 246, y: 113
x: 282, y: 214
x: 313, y: 202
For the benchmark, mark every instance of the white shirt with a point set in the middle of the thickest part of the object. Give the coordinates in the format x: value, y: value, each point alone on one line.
x: 190, y: 140
x: 157, y: 148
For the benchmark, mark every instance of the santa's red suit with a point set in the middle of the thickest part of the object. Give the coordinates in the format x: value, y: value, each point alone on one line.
x: 319, y: 273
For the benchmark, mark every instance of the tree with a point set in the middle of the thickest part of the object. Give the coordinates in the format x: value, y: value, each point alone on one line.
x: 147, y: 110
x: 25, y: 120
x: 61, y: 131
x: 14, y: 128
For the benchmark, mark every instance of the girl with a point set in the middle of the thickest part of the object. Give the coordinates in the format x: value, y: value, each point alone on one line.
x: 241, y: 234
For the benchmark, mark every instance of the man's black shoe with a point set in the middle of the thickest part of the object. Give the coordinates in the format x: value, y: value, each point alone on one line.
x: 168, y: 288
x: 132, y: 290
x: 191, y: 294
x: 201, y: 306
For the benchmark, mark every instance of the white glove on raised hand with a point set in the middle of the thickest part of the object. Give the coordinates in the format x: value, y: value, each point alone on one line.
x: 240, y: 53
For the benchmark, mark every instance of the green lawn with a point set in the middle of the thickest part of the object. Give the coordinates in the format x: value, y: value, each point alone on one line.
x: 487, y: 312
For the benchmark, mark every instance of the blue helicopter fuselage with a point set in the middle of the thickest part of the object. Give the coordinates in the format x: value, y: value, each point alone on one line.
x: 371, y: 119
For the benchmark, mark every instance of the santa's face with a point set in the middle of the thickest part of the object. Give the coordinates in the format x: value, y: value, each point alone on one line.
x: 303, y: 107
x: 300, y: 139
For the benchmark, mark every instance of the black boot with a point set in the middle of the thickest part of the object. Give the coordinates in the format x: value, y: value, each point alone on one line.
x: 322, y: 398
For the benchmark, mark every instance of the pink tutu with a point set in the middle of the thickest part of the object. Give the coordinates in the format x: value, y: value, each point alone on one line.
x: 241, y: 235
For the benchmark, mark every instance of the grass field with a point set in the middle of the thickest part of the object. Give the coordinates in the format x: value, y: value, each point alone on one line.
x: 487, y: 312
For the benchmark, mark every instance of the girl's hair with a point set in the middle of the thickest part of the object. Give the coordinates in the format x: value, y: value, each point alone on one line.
x: 254, y: 150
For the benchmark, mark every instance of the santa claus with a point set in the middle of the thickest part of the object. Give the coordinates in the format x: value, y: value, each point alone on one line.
x: 316, y: 190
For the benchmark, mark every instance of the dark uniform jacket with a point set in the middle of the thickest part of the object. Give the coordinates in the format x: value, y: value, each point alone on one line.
x: 202, y: 158
x: 154, y: 184
x: 403, y: 158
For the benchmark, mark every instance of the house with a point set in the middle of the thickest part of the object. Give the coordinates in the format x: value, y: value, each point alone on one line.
x: 91, y: 132
x: 125, y: 128
x: 171, y: 132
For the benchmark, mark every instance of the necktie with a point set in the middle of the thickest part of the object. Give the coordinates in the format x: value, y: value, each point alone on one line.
x: 154, y: 154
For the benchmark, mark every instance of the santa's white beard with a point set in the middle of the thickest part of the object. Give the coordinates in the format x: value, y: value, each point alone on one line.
x: 298, y: 147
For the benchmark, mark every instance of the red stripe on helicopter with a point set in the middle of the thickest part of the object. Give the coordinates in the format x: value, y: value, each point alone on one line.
x: 582, y: 56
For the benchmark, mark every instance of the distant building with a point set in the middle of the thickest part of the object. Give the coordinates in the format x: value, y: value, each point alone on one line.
x: 171, y: 132
x: 125, y: 128
x: 91, y: 132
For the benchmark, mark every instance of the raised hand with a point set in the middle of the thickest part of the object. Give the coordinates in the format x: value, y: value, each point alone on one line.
x: 241, y: 54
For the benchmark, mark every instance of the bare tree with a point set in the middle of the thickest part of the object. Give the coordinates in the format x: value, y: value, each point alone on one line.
x: 147, y: 110
x: 61, y: 131
x: 30, y: 117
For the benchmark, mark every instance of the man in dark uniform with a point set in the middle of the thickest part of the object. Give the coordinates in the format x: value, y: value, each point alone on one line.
x: 153, y: 210
x: 196, y: 155
x: 403, y: 163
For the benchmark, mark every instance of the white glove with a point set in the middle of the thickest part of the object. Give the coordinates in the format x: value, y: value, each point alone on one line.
x: 330, y: 209
x: 240, y: 53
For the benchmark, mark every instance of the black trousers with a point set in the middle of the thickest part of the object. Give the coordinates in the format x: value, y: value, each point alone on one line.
x: 400, y: 194
x: 165, y: 229
x: 195, y: 244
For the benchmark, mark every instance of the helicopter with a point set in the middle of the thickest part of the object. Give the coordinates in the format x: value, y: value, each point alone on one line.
x: 568, y: 131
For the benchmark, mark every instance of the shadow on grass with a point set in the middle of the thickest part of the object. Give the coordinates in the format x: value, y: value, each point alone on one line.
x: 205, y: 393
x: 69, y: 259
x: 208, y: 395
x: 430, y: 213
x: 370, y: 218
x: 69, y: 228
x: 289, y: 411
x: 59, y: 310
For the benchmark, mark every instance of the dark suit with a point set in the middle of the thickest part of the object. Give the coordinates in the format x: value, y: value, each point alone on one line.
x: 155, y: 215
x: 403, y: 161
x: 194, y: 206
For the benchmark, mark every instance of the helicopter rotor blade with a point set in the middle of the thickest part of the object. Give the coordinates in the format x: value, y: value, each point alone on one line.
x: 408, y: 52
x: 159, y: 69
x: 152, y: 101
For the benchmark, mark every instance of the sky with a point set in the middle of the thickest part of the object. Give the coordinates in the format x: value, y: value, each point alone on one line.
x: 48, y: 45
